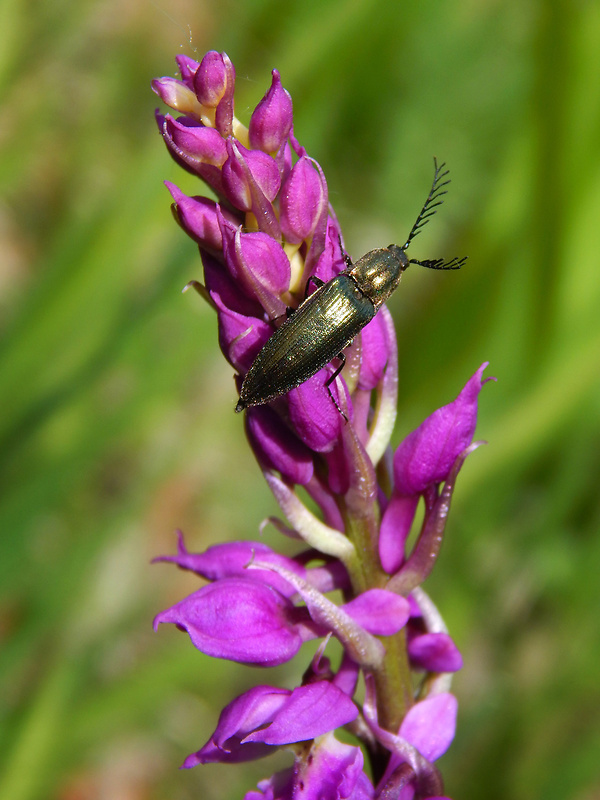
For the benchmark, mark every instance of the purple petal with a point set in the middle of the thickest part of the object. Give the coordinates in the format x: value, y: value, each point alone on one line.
x: 212, y: 754
x: 424, y: 554
x: 338, y: 471
x: 380, y: 612
x: 176, y: 95
x: 271, y: 120
x: 231, y: 559
x: 326, y: 224
x: 428, y: 453
x: 415, y: 609
x: 279, y: 786
x: 250, y: 710
x: 336, y: 772
x: 313, y: 414
x: 434, y: 652
x: 259, y: 263
x: 284, y: 160
x: 346, y: 678
x: 265, y: 260
x: 362, y: 491
x: 360, y: 645
x: 209, y: 173
x: 330, y: 576
x: 333, y: 771
x: 393, y: 532
x: 238, y: 619
x: 240, y: 337
x: 303, y: 199
x: 276, y: 447
x: 329, y: 261
x: 187, y: 67
x: 198, y: 218
x: 246, y: 171
x: 330, y: 770
x: 202, y: 145
x: 224, y: 111
x: 212, y: 77
x: 374, y: 353
x: 430, y: 725
x: 230, y: 293
x: 308, y: 712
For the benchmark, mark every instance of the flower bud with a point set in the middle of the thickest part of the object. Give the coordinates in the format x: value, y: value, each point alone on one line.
x: 276, y: 447
x: 240, y: 337
x: 212, y: 77
x: 198, y: 218
x: 303, y: 201
x: 374, y: 353
x: 271, y: 120
x: 246, y: 172
x: 427, y: 454
x: 176, y: 95
x: 201, y: 144
x: 315, y: 418
x: 188, y: 68
x: 260, y: 265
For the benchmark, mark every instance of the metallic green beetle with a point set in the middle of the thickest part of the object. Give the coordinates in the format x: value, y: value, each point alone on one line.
x: 328, y: 320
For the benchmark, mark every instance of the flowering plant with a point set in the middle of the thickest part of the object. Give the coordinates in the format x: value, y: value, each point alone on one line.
x: 270, y: 231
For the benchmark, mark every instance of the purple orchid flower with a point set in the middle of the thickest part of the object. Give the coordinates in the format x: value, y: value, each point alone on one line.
x: 329, y: 770
x: 265, y: 718
x: 271, y: 230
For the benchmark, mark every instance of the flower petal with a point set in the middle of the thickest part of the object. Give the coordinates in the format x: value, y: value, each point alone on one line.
x: 428, y: 453
x: 308, y: 712
x: 231, y: 559
x: 395, y: 527
x: 238, y: 619
x: 380, y: 612
x: 434, y: 652
x: 271, y: 120
x: 430, y: 725
x: 276, y: 447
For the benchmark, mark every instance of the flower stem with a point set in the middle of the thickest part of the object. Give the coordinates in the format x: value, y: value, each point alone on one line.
x: 393, y: 679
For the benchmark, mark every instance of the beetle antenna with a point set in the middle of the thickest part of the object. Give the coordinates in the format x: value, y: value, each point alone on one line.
x: 439, y: 263
x: 433, y: 201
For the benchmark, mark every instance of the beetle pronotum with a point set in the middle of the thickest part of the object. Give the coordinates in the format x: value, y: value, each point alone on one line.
x: 329, y: 319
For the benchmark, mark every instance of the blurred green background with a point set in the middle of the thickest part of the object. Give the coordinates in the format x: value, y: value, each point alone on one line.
x: 117, y: 421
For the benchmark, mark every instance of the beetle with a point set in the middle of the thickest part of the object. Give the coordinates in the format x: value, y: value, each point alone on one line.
x: 328, y: 320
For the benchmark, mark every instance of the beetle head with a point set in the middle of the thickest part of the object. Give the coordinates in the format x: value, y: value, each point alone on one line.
x: 378, y: 273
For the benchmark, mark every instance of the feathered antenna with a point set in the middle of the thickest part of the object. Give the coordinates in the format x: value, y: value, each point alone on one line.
x: 429, y: 209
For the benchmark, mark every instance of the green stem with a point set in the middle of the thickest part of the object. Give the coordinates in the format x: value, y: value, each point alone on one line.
x: 393, y: 682
x: 392, y: 678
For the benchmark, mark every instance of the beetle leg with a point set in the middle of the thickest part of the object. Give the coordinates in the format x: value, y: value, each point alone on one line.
x: 317, y: 282
x: 330, y: 380
x: 341, y: 357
